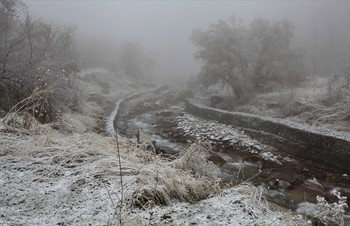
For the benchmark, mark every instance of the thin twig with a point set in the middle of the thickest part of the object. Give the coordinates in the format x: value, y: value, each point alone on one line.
x: 121, y: 178
x: 109, y: 194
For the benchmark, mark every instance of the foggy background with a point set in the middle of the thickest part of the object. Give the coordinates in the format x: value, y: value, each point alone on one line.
x: 163, y: 28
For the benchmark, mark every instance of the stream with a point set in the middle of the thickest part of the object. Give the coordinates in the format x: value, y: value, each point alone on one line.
x: 284, y: 180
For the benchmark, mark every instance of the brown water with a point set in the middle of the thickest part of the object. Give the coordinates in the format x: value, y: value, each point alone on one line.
x: 292, y: 181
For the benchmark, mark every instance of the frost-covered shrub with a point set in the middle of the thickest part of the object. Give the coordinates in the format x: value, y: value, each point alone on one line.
x: 327, y: 213
x: 36, y: 60
x: 332, y: 212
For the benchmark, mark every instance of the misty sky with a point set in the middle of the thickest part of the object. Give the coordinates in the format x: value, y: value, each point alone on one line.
x: 164, y: 27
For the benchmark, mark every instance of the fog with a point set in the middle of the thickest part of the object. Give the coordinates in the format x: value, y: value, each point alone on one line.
x: 204, y: 97
x: 163, y: 28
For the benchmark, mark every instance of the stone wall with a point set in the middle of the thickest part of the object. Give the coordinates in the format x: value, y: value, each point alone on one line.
x: 320, y: 146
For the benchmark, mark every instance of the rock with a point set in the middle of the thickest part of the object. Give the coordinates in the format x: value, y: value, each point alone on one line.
x: 217, y: 160
x: 289, y: 176
x: 273, y: 184
x: 265, y: 174
x: 277, y: 183
x: 143, y: 137
x: 284, y: 184
x: 254, y: 158
x: 271, y: 164
x: 305, y: 172
x: 278, y: 196
x: 313, y: 184
x: 165, y: 113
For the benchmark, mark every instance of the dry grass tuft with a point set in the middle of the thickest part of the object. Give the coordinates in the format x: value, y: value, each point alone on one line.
x: 156, y: 180
x: 195, y: 161
x: 81, y: 170
x: 316, y: 103
x: 186, y: 179
x: 19, y: 120
x: 239, y: 205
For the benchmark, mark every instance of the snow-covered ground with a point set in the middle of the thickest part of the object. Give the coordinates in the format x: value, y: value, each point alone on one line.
x: 313, y: 103
x: 293, y: 125
x: 201, y: 130
x: 56, y: 179
x: 240, y: 205
x: 52, y: 178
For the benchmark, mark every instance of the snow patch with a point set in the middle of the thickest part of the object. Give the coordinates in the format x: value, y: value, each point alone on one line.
x: 201, y: 130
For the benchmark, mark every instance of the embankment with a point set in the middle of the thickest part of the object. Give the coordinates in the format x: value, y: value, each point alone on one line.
x: 320, y: 146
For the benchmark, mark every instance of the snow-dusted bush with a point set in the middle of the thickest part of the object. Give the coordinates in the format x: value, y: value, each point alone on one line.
x: 35, y: 60
x: 327, y: 213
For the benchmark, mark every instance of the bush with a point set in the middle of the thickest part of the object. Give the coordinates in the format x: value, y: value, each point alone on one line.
x: 329, y: 214
x: 36, y: 60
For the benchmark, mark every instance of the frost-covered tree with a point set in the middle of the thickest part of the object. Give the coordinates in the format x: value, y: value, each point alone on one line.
x: 223, y: 52
x: 275, y: 63
x: 251, y: 58
x: 34, y: 56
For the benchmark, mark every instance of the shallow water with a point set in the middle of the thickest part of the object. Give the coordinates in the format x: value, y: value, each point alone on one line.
x: 237, y: 163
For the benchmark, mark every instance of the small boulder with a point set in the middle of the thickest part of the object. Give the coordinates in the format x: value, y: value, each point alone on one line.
x: 277, y: 183
x: 313, y: 184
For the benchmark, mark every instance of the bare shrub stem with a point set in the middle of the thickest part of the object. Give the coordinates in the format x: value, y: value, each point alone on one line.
x: 121, y: 179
